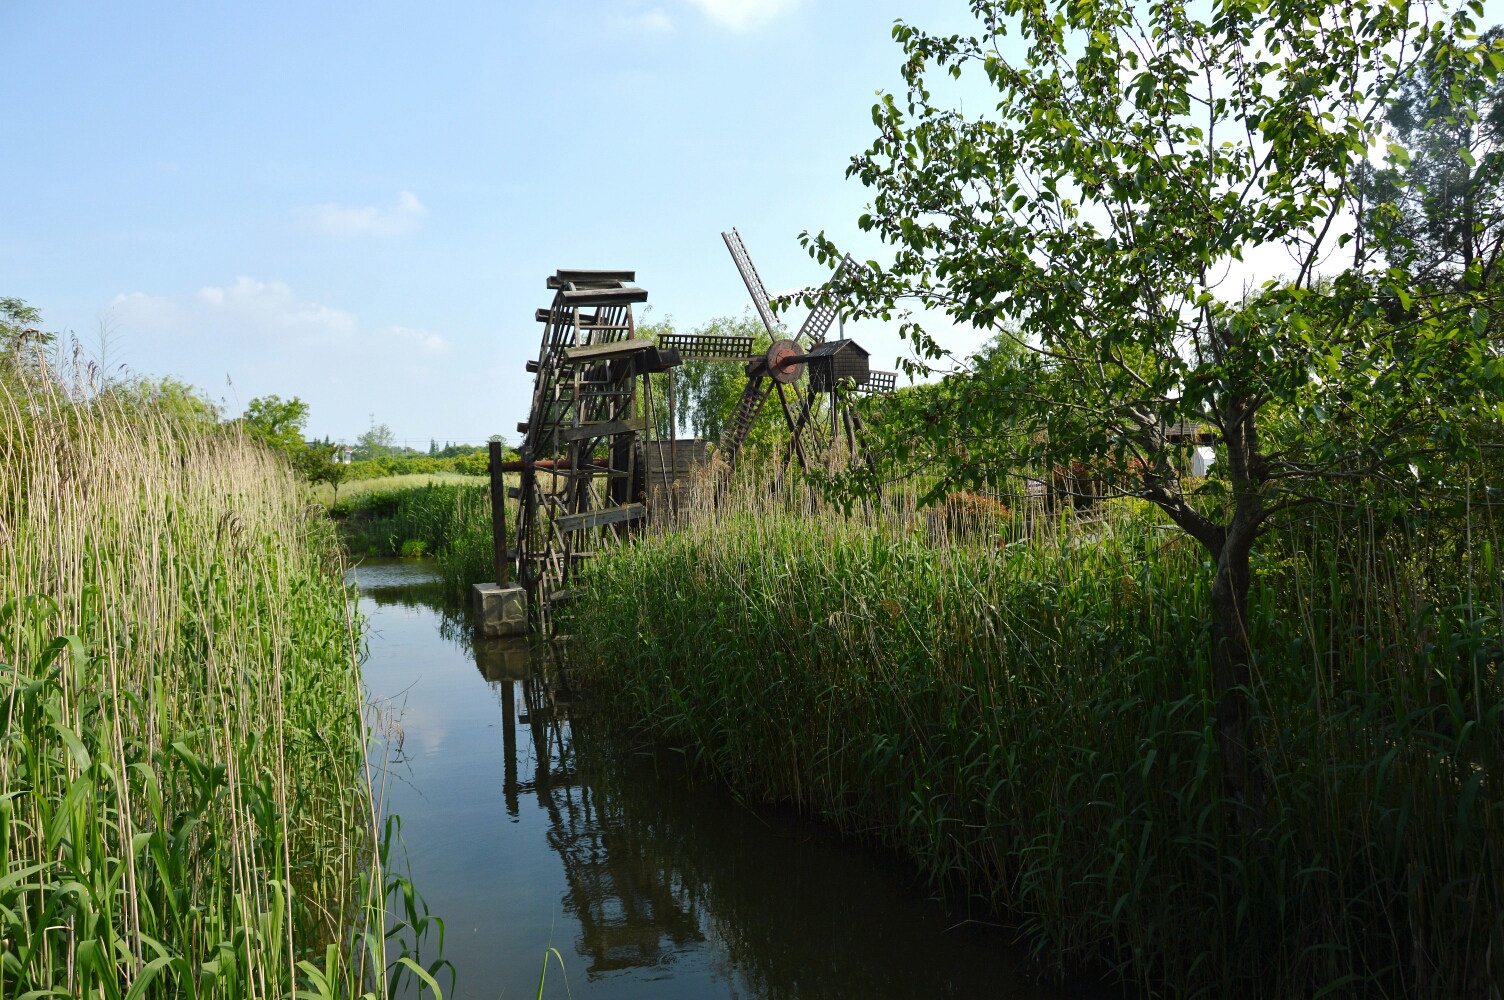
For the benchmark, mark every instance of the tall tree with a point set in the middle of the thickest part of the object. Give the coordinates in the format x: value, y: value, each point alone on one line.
x: 319, y: 463
x: 278, y: 422
x: 377, y: 442
x: 22, y: 340
x: 1437, y: 208
x: 1130, y: 158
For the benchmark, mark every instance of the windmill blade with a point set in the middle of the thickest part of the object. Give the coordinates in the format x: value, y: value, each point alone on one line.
x: 859, y: 439
x: 796, y: 427
x: 817, y: 323
x: 707, y: 346
x: 744, y: 416
x: 754, y: 283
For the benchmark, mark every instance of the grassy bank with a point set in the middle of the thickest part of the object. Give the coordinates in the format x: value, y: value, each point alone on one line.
x: 474, y: 464
x: 1031, y: 714
x: 351, y: 490
x: 447, y: 520
x: 183, y: 793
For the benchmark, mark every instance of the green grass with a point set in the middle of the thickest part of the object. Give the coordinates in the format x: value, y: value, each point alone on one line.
x: 185, y: 795
x: 449, y: 520
x: 353, y: 489
x: 1031, y: 717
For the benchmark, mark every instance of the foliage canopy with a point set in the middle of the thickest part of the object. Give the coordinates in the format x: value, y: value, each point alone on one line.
x: 1103, y: 215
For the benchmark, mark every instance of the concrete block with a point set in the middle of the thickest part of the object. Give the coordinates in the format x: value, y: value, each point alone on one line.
x: 499, y: 610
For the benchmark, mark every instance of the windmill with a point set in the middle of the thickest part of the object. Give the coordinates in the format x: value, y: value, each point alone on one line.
x: 803, y: 371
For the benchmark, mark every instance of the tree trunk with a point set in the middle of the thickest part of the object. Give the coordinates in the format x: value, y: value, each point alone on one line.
x: 1232, y: 660
x: 1230, y: 545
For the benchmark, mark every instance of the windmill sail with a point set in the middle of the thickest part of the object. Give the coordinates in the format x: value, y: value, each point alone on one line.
x: 817, y: 323
x: 754, y: 283
x: 744, y: 416
x: 813, y: 413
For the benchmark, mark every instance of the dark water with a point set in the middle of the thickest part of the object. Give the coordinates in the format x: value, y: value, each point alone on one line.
x: 526, y: 832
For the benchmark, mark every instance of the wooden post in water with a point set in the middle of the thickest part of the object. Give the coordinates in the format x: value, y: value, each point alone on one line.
x: 499, y: 518
x: 509, y: 744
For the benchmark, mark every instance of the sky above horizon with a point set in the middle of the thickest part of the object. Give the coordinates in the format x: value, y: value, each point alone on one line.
x: 358, y: 204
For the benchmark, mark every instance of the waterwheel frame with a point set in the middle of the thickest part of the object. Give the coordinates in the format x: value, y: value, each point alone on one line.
x: 583, y: 475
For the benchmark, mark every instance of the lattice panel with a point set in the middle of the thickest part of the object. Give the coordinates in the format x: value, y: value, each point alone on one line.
x: 818, y: 322
x: 704, y: 345
x: 880, y: 382
x: 745, y: 415
x: 754, y: 283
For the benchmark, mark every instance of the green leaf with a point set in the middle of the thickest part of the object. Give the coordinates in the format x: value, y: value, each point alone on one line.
x: 147, y: 974
x: 75, y: 747
x: 423, y: 975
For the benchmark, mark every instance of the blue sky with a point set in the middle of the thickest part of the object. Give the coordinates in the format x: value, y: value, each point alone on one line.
x: 358, y: 203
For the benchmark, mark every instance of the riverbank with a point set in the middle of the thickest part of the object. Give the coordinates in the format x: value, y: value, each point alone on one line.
x: 449, y: 521
x: 1030, y: 712
x: 183, y: 794
x: 352, y: 490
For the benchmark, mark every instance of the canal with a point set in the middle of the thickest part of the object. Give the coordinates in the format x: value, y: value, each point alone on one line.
x: 526, y: 831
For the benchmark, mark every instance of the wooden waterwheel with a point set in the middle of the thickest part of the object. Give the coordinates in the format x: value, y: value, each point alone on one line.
x: 584, y: 473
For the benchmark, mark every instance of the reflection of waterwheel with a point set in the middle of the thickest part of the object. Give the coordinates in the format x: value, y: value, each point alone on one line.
x: 583, y: 477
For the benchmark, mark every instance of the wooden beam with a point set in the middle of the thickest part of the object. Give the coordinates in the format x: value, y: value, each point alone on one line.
x: 543, y: 463
x: 606, y: 428
x: 598, y: 518
x: 604, y: 296
x: 585, y: 274
x: 499, y: 519
x: 605, y: 352
x: 586, y: 319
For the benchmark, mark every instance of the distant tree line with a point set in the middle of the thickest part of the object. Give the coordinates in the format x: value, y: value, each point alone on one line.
x: 280, y: 424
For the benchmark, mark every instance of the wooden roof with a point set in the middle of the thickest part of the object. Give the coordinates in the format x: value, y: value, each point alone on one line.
x: 833, y: 347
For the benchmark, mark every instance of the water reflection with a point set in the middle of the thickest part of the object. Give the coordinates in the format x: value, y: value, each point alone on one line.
x: 528, y: 825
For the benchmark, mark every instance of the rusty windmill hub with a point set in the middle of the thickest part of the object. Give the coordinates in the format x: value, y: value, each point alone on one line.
x: 783, y: 361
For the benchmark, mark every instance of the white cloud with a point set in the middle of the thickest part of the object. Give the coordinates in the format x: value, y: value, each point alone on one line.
x: 265, y: 337
x: 430, y: 342
x: 739, y: 15
x: 268, y: 315
x: 655, y: 21
x: 271, y: 307
x: 403, y: 216
x: 150, y: 312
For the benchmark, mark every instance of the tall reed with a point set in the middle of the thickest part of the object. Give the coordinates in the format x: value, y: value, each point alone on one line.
x: 1021, y: 700
x: 381, y: 522
x: 451, y: 521
x: 184, y: 794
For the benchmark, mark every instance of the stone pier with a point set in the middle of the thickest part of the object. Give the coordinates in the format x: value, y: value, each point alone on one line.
x: 499, y: 610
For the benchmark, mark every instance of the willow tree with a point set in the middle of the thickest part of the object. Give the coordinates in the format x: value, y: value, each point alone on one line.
x: 1104, y: 212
